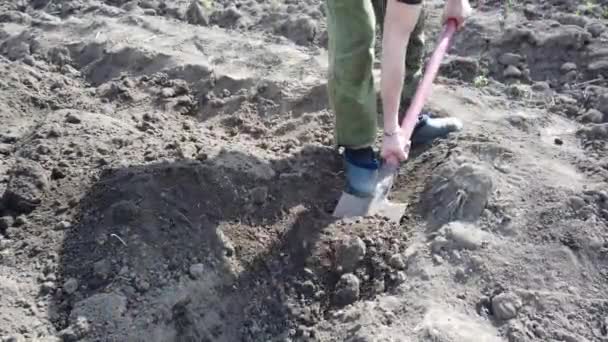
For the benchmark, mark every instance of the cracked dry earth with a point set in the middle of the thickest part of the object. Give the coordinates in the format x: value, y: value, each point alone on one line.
x: 167, y: 173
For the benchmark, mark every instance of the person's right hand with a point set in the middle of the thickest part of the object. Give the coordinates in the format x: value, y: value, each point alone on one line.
x: 459, y: 10
x: 395, y: 148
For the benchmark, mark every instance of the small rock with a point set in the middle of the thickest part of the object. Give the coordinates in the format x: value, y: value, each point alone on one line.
x: 27, y: 184
x: 602, y: 103
x: 596, y: 29
x: 397, y: 261
x: 541, y: 86
x: 73, y: 118
x: 5, y: 149
x: 151, y: 117
x: 463, y: 235
x: 20, y: 221
x: 197, y: 271
x: 80, y: 327
x: 167, y: 92
x: 102, y: 269
x: 567, y: 67
x: 153, y: 4
x: 6, y: 222
x: 593, y: 116
x: 558, y: 141
x: 63, y: 225
x: 512, y: 72
x: 68, y: 335
x: 150, y: 12
x: 571, y: 19
x: 347, y: 289
x: 308, y: 288
x: 47, y: 287
x: 439, y: 243
x: 259, y: 195
x: 70, y: 286
x: 227, y: 17
x: 142, y: 285
x: 506, y: 305
x: 400, y: 278
x: 300, y: 30
x: 510, y: 59
x: 576, y: 202
x: 57, y: 173
x: 350, y: 252
x: 437, y: 259
x: 460, y: 275
x: 202, y: 156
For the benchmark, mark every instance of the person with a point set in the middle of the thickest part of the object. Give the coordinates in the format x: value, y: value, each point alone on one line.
x: 351, y: 26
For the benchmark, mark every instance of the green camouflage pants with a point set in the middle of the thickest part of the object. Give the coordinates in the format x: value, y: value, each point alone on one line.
x: 351, y: 26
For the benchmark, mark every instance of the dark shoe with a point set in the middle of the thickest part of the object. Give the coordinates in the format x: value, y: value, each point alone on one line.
x: 428, y: 129
x: 361, y: 167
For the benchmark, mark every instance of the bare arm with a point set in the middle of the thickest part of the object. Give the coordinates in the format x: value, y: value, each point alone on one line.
x: 399, y: 23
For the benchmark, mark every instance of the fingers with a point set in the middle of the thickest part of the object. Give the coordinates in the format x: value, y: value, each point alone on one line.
x: 391, y: 160
x: 395, y: 156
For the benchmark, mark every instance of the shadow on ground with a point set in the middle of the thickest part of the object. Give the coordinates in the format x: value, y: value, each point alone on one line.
x: 196, y: 251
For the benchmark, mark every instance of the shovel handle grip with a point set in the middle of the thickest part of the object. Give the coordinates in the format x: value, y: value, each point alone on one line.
x: 424, y: 88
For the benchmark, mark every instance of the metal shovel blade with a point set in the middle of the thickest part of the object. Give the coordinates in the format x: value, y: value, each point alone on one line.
x: 350, y: 205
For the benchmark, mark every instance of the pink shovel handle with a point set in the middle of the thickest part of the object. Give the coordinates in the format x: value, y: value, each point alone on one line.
x: 424, y: 88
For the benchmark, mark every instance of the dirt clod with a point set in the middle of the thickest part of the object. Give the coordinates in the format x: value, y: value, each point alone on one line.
x: 506, y: 305
x: 26, y: 187
x: 350, y: 252
x: 347, y: 289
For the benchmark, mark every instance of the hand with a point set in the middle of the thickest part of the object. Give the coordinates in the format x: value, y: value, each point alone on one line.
x: 395, y: 148
x: 459, y: 10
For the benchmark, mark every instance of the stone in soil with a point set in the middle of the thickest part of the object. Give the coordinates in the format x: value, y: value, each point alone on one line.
x: 26, y: 187
x: 197, y: 271
x: 506, y: 305
x: 350, y: 252
x: 463, y: 235
x: 347, y: 290
x: 195, y: 14
x: 510, y: 58
x: 593, y: 116
x: 512, y: 72
x: 397, y: 261
x: 70, y: 286
x: 6, y: 222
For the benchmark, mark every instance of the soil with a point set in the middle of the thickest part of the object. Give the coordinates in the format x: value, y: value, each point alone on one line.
x: 168, y: 173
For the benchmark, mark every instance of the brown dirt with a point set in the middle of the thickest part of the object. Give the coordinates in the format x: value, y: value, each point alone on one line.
x: 167, y: 173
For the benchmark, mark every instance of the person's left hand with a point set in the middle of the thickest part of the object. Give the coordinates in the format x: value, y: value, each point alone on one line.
x: 395, y: 148
x: 459, y: 10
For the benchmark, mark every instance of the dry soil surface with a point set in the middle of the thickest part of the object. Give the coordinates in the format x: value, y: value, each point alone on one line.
x: 167, y: 173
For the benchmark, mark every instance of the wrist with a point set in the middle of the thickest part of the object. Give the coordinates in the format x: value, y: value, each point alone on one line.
x: 391, y: 124
x: 392, y: 132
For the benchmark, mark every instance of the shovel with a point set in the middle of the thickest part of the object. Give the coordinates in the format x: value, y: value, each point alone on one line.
x: 378, y: 204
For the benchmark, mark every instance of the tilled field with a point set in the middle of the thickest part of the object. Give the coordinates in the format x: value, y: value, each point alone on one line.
x: 167, y: 173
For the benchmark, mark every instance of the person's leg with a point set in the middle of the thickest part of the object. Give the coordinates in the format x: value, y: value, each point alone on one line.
x: 352, y: 96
